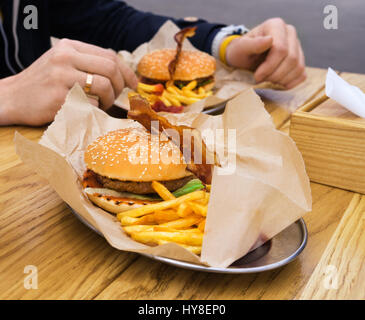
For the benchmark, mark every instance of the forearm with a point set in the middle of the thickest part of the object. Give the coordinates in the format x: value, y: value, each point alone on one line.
x: 7, y: 101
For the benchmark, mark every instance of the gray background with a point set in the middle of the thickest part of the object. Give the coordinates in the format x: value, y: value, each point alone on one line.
x: 342, y: 49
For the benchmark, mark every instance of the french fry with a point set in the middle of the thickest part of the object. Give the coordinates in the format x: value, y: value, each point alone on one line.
x: 131, y: 94
x: 193, y: 249
x: 181, y: 96
x: 149, y: 208
x: 169, y: 229
x: 129, y: 221
x: 150, y: 97
x: 186, y: 100
x: 209, y: 93
x: 164, y: 229
x: 202, y: 91
x: 183, y: 222
x: 184, y: 210
x: 162, y: 191
x: 171, y: 98
x: 191, y: 85
x: 183, y: 237
x: 201, y: 226
x: 154, y: 88
x: 198, y: 208
x: 204, y: 201
x: 192, y: 94
x: 174, y: 90
x: 166, y: 102
x: 163, y: 216
x: 138, y: 228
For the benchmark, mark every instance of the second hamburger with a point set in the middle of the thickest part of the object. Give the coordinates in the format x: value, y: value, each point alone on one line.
x: 192, y: 65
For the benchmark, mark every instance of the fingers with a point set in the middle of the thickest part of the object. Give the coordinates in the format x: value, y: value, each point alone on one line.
x: 87, y: 48
x: 128, y: 74
x: 286, y: 58
x: 278, y: 52
x: 296, y: 81
x: 105, y: 62
x: 248, y: 52
x: 100, y: 87
x: 261, y: 44
x: 297, y: 75
x: 253, y: 46
x: 100, y: 66
x: 290, y: 68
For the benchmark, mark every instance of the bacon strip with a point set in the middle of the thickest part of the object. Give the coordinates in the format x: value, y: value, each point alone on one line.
x: 179, y: 38
x: 141, y: 111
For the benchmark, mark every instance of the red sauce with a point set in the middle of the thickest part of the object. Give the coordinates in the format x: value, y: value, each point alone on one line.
x: 89, y: 180
x: 160, y: 106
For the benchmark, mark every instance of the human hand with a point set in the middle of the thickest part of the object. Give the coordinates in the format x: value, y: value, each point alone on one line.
x: 34, y: 96
x: 273, y: 51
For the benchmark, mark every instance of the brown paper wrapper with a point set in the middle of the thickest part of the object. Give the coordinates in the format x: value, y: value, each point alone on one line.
x: 267, y: 191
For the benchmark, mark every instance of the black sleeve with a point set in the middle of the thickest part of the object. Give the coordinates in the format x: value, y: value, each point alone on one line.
x: 114, y: 24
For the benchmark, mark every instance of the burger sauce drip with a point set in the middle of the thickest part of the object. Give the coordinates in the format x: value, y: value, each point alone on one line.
x: 89, y: 180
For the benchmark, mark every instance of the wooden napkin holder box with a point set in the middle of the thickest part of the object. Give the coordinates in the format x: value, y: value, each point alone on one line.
x: 332, y: 142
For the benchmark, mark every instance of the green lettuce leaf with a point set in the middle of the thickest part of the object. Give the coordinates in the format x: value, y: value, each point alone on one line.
x: 191, y: 186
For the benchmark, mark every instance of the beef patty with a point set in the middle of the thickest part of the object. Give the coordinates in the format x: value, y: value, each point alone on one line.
x: 141, y: 187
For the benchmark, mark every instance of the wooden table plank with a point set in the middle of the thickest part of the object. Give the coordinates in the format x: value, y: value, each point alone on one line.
x: 354, y: 79
x: 340, y: 274
x: 8, y: 157
x: 37, y: 228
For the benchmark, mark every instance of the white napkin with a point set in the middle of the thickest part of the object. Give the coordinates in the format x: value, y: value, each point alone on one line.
x: 349, y: 96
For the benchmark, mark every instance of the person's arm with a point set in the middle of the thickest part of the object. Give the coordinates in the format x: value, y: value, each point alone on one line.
x: 48, y: 80
x: 114, y: 24
x: 7, y: 113
x: 272, y: 51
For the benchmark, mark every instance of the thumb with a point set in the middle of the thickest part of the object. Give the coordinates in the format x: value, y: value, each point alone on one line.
x: 258, y: 45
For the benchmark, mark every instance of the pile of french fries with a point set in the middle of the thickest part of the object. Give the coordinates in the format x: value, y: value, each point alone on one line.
x: 172, y: 95
x: 180, y: 220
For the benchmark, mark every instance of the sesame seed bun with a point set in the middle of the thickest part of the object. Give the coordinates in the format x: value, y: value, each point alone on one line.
x: 192, y: 65
x: 123, y: 155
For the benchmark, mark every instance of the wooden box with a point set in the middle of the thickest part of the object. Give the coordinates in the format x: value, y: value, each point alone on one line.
x: 332, y: 142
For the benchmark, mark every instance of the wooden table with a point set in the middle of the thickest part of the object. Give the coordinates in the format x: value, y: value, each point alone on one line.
x: 37, y: 228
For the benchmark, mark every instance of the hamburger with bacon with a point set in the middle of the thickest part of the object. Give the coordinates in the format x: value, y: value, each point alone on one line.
x: 192, y: 65
x: 122, y: 164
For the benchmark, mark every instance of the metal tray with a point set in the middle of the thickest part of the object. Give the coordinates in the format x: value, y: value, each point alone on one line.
x: 215, y: 110
x: 119, y: 112
x: 275, y: 253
